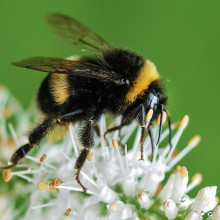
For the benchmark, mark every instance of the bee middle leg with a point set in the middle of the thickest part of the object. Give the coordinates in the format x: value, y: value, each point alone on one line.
x: 87, y: 140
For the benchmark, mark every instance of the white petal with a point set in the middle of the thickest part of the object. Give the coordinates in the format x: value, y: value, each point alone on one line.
x: 154, y: 174
x: 205, y: 200
x: 216, y: 213
x: 170, y: 209
x: 108, y: 195
x: 179, y: 185
x: 144, y: 200
x: 167, y: 189
x: 192, y: 216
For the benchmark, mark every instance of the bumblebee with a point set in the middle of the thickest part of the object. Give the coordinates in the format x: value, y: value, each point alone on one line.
x: 111, y: 80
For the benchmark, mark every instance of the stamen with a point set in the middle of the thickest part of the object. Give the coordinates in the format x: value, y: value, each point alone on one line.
x: 89, y: 179
x: 68, y: 211
x: 26, y: 178
x: 29, y: 171
x: 7, y: 175
x: 67, y: 157
x: 43, y: 185
x: 192, y: 143
x: 91, y: 157
x: 37, y: 161
x: 113, y: 207
x: 128, y: 133
x: 12, y: 130
x: 126, y: 156
x: 44, y: 205
x: 115, y: 144
x: 43, y: 157
x: 136, y: 143
x: 52, y: 187
x: 184, y: 122
x: 196, y: 180
x: 76, y: 189
x: 56, y: 182
x: 176, y: 138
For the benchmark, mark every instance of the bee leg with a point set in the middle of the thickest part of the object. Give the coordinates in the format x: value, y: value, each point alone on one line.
x: 87, y: 140
x: 34, y: 137
x: 37, y: 134
x: 124, y: 122
x: 111, y: 130
x: 143, y: 130
x: 152, y: 140
x: 169, y: 127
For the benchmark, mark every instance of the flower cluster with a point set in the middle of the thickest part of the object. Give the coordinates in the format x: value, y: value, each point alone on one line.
x: 120, y: 186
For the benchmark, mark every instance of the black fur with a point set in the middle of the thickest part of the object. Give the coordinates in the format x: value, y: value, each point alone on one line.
x: 96, y: 85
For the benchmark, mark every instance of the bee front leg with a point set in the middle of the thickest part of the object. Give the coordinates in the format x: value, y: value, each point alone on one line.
x: 111, y: 130
x: 124, y: 122
x: 142, y: 118
x: 143, y: 131
x: 152, y: 140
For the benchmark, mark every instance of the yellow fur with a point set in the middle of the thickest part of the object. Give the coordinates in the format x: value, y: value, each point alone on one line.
x: 147, y: 74
x: 59, y: 87
x: 59, y: 84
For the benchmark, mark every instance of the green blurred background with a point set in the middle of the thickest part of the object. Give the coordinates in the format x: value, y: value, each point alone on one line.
x: 180, y: 37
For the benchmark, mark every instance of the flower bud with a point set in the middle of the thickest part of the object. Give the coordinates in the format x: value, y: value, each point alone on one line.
x: 170, y: 209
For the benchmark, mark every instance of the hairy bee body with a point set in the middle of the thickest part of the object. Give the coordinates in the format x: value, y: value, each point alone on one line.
x: 63, y: 93
x: 113, y: 81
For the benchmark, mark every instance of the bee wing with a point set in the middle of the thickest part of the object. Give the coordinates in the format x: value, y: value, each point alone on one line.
x: 75, y: 34
x: 77, y: 68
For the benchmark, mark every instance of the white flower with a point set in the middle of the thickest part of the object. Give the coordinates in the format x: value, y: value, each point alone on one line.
x: 120, y: 186
x: 144, y: 200
x: 119, y: 211
x: 192, y: 216
x: 179, y: 185
x: 216, y: 213
x: 170, y: 209
x: 205, y: 200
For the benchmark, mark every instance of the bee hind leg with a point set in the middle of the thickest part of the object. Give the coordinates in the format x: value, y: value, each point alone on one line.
x: 34, y: 138
x: 38, y: 133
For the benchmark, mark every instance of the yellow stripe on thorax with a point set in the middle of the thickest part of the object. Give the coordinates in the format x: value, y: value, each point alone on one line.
x: 147, y: 74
